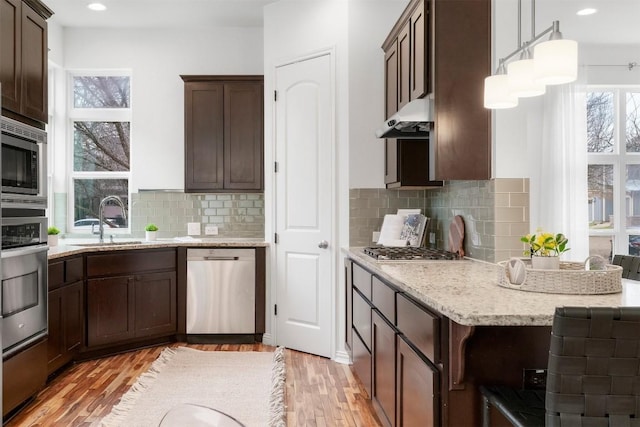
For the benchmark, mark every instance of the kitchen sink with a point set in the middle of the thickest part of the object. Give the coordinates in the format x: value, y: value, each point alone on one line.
x: 98, y: 244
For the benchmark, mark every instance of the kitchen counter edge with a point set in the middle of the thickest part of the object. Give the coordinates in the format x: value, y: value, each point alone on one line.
x: 64, y: 250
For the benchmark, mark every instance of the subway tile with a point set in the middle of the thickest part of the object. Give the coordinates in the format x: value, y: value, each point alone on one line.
x: 509, y: 185
x: 509, y: 214
x: 518, y: 199
x: 503, y: 200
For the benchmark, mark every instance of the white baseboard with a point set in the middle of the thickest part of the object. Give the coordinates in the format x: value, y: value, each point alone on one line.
x: 267, y: 339
x: 343, y: 357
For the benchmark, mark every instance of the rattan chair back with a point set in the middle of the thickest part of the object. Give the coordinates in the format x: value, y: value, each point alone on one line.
x: 593, y: 376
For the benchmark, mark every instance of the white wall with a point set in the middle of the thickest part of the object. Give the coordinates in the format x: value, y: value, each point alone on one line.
x: 157, y: 58
x: 607, y: 64
x: 370, y: 21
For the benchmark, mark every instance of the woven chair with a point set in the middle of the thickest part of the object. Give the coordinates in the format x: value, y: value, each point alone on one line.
x: 593, y: 376
x: 630, y: 266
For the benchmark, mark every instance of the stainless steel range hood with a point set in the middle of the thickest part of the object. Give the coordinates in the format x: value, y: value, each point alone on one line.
x: 414, y: 120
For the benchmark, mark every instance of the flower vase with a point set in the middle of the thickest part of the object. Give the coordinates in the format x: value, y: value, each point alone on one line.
x: 545, y: 262
x: 52, y: 239
x: 150, y: 235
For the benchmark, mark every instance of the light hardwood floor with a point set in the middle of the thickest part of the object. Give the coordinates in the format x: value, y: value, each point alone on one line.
x: 319, y: 392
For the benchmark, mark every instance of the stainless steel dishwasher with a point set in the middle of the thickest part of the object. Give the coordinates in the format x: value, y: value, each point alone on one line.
x: 221, y: 291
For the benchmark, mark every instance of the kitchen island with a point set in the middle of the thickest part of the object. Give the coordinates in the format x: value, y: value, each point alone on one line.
x: 425, y: 334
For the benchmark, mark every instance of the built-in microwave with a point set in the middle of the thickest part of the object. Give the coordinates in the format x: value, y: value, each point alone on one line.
x: 24, y: 162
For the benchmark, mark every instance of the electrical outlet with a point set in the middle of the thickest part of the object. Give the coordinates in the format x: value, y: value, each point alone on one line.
x: 534, y: 379
x: 193, y: 228
x: 211, y: 230
x: 432, y: 238
x: 375, y: 236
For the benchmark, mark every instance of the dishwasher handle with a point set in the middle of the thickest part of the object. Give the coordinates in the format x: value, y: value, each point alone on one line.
x: 221, y: 258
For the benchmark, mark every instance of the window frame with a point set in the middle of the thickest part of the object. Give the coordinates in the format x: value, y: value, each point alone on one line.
x: 95, y: 115
x: 619, y: 158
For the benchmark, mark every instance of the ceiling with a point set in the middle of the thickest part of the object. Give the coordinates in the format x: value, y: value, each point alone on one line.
x: 159, y: 13
x: 615, y: 22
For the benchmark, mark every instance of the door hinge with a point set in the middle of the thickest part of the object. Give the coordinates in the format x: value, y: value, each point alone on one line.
x: 275, y: 309
x: 275, y: 167
x: 275, y: 95
x: 275, y: 238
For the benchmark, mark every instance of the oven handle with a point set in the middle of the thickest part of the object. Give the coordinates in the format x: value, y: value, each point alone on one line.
x: 27, y: 250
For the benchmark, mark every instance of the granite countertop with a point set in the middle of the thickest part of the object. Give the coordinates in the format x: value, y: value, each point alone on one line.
x: 466, y: 291
x: 68, y: 247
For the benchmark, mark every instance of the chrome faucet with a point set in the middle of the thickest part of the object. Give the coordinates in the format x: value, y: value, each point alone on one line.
x: 103, y: 202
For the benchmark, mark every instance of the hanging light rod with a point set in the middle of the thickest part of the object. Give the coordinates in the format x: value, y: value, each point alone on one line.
x: 629, y: 65
x: 554, y: 29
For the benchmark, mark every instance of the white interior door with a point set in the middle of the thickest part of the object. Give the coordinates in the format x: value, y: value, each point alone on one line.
x: 304, y: 147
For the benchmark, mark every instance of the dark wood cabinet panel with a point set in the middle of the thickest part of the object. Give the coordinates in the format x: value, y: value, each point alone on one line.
x: 204, y: 136
x: 411, y: 168
x: 362, y: 318
x: 110, y: 310
x: 243, y: 145
x: 130, y: 262
x: 384, y: 299
x: 421, y: 327
x: 405, y: 66
x: 391, y: 79
x: 383, y: 350
x: 462, y: 61
x: 420, y: 75
x: 223, y: 133
x: 55, y: 340
x: 10, y: 43
x: 362, y: 362
x: 348, y: 276
x: 23, y: 375
x: 73, y: 304
x: 417, y: 389
x: 155, y: 304
x: 362, y: 280
x: 23, y: 60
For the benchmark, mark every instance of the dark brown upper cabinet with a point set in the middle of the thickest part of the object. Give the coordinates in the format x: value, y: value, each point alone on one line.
x: 462, y: 60
x: 23, y: 60
x: 223, y: 133
x: 441, y: 47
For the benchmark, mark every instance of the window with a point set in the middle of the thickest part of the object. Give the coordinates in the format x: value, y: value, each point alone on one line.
x: 613, y: 145
x: 100, y: 113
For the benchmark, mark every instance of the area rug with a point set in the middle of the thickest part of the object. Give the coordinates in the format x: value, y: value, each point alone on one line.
x: 249, y: 386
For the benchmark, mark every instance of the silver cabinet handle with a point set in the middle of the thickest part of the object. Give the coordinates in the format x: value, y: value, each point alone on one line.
x: 323, y: 244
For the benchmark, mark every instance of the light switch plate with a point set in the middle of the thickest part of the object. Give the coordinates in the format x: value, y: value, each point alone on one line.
x: 193, y: 228
x: 211, y: 230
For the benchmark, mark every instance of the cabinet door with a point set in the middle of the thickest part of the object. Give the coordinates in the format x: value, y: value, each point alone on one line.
x: 384, y: 369
x: 362, y: 362
x: 417, y: 389
x: 34, y: 65
x: 348, y: 274
x: 110, y: 310
x: 391, y: 79
x: 10, y: 28
x: 55, y: 339
x: 155, y: 304
x: 204, y: 136
x: 419, y: 52
x: 73, y: 304
x: 405, y: 82
x: 243, y: 141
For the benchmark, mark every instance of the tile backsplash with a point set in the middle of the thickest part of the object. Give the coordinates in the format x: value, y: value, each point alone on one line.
x: 235, y: 214
x: 495, y: 212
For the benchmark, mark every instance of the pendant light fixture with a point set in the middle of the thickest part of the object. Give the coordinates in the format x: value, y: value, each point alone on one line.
x: 496, y: 90
x: 553, y: 62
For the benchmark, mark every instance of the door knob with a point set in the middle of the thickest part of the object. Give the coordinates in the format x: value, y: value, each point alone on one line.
x: 323, y: 244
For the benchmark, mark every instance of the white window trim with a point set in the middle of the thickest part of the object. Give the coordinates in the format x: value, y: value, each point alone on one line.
x: 95, y: 114
x: 619, y: 158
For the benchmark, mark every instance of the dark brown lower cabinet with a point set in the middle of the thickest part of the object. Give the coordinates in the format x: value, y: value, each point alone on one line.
x: 128, y: 307
x: 384, y: 368
x: 23, y: 375
x: 66, y: 320
x: 362, y: 362
x: 416, y: 389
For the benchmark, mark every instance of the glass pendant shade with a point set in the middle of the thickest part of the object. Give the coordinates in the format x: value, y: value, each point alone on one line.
x: 496, y: 93
x: 556, y: 62
x: 520, y: 79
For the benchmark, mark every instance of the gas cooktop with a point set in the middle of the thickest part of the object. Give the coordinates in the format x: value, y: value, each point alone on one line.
x: 408, y: 253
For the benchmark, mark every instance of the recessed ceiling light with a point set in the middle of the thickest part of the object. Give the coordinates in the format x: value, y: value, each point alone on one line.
x: 587, y: 11
x: 97, y: 6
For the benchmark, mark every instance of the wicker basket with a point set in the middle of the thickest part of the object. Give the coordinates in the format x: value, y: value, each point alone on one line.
x: 571, y: 278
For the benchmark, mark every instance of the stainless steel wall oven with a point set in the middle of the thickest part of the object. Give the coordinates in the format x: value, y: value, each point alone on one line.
x: 23, y: 274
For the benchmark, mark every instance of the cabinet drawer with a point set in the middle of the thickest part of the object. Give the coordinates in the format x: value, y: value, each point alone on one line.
x: 384, y: 299
x: 130, y: 262
x: 362, y: 280
x: 55, y: 274
x: 420, y: 327
x: 73, y: 270
x: 362, y: 317
x: 362, y: 363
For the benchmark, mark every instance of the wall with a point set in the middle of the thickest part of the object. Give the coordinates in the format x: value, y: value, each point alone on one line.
x: 157, y: 58
x: 495, y: 214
